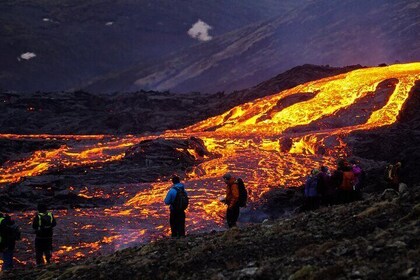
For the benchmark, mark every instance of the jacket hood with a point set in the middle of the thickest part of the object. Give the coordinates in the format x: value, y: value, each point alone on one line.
x: 179, y: 185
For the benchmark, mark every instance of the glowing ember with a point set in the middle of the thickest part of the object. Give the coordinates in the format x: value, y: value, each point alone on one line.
x: 254, y: 140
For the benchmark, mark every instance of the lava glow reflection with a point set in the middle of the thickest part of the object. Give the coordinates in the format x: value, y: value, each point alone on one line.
x: 262, y: 141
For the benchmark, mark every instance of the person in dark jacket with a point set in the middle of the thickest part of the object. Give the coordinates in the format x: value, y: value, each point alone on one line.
x: 326, y: 187
x: 231, y: 200
x: 9, y: 233
x: 43, y: 224
x: 177, y: 216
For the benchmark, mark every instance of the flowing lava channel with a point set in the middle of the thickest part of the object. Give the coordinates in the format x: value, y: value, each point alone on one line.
x: 269, y: 142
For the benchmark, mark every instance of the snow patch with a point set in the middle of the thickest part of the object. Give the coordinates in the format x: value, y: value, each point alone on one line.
x: 109, y: 23
x: 200, y: 31
x: 27, y: 55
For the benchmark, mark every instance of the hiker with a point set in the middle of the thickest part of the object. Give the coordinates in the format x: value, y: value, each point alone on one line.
x: 177, y: 199
x: 231, y: 200
x: 9, y: 234
x: 311, y: 191
x: 395, y: 175
x: 326, y: 188
x: 359, y: 179
x: 43, y: 224
x: 346, y: 188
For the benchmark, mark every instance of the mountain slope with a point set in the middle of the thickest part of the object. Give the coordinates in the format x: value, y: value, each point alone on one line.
x: 344, y: 33
x: 75, y: 41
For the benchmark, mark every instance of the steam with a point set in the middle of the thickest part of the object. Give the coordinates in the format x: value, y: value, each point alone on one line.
x: 27, y: 55
x: 200, y: 31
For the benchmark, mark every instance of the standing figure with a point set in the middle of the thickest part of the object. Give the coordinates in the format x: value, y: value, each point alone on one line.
x: 43, y: 224
x: 177, y: 199
x: 9, y: 233
x: 231, y: 199
x: 346, y: 188
x: 311, y: 190
x: 326, y: 187
x: 395, y: 176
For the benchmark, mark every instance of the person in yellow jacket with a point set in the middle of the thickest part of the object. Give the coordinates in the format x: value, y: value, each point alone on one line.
x: 43, y: 224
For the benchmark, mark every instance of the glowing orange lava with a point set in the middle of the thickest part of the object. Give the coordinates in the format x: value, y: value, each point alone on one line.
x: 254, y: 141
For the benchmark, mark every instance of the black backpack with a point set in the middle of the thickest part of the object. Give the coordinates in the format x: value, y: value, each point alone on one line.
x: 181, y: 199
x: 243, y: 194
x: 45, y: 221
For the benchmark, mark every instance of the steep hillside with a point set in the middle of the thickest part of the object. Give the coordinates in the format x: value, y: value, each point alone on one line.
x: 325, y: 32
x: 75, y: 41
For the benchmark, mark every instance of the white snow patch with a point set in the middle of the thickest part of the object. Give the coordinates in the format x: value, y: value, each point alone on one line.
x: 109, y: 23
x: 200, y: 31
x: 27, y: 55
x: 46, y: 19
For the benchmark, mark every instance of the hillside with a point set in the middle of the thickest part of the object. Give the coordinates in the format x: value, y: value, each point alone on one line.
x: 324, y: 32
x: 75, y: 41
x: 377, y: 238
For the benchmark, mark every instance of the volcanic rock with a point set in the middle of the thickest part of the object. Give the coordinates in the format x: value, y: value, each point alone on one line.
x: 137, y: 112
x: 368, y: 239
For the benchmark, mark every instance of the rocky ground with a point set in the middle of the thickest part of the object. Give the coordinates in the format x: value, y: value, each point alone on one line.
x: 375, y: 238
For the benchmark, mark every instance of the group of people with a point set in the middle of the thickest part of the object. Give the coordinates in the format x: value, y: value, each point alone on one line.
x: 323, y: 187
x: 177, y: 199
x: 42, y: 224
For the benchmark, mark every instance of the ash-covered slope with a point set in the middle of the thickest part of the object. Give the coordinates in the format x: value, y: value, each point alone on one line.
x: 377, y: 238
x: 76, y: 40
x: 337, y: 33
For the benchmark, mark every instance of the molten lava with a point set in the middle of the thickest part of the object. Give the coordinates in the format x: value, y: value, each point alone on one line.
x: 268, y: 142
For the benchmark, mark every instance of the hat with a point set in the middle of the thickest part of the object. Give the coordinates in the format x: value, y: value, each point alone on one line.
x: 314, y: 171
x: 227, y: 176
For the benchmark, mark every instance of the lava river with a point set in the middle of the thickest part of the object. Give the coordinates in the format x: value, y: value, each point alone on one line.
x: 269, y: 142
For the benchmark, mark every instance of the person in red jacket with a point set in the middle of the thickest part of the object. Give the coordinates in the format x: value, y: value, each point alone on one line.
x: 346, y: 188
x: 231, y: 199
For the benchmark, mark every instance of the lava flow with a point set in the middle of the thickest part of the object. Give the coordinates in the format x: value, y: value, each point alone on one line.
x: 269, y: 142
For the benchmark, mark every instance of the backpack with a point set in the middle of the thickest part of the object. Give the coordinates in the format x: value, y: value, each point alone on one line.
x: 243, y: 194
x: 348, y: 181
x: 181, y: 199
x: 45, y: 221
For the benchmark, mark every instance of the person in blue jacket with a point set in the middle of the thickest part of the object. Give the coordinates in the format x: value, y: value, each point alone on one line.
x: 311, y: 190
x: 177, y: 199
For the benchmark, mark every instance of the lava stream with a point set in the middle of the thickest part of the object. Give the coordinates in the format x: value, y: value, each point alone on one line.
x: 255, y: 141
